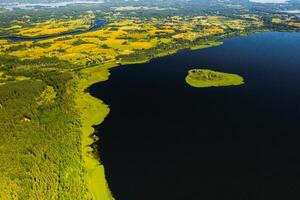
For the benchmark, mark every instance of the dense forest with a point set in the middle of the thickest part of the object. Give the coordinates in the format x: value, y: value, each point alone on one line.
x: 39, y: 132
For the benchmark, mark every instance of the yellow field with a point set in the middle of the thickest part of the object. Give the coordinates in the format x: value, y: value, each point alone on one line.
x: 296, y: 24
x: 276, y: 20
x: 53, y: 26
x: 194, y: 35
x: 187, y: 36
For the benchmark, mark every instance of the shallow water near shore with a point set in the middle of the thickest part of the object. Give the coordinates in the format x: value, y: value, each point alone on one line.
x: 164, y: 139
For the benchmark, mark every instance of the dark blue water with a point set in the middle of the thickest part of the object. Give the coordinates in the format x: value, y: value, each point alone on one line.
x: 97, y: 25
x: 166, y: 140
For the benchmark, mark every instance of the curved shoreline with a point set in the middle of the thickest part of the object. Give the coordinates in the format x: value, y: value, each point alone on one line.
x: 86, y: 104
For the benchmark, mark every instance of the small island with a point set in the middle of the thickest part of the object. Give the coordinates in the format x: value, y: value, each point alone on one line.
x: 207, y: 78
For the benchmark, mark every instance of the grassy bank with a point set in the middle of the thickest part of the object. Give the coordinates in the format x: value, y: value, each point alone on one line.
x: 203, y: 46
x: 92, y: 112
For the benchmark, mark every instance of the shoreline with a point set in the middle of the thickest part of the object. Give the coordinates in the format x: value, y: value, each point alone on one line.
x: 97, y: 186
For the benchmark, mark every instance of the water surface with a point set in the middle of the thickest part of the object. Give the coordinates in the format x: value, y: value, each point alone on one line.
x: 269, y: 1
x: 166, y: 140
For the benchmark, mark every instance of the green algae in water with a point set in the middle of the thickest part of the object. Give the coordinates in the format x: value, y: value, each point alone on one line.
x: 201, y: 78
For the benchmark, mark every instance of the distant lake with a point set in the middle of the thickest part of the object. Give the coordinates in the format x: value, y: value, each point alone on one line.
x: 270, y: 1
x: 165, y: 140
x: 292, y: 11
x: 46, y: 5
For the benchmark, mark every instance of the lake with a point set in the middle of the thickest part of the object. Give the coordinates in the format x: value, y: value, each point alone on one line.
x: 164, y: 139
